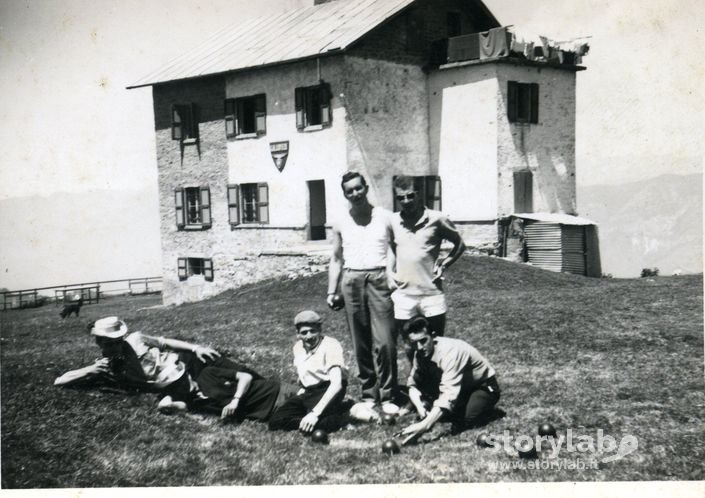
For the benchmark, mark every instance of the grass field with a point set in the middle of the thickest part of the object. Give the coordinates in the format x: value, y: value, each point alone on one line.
x: 621, y: 356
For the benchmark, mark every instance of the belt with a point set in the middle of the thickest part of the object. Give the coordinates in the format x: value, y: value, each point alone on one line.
x: 377, y: 268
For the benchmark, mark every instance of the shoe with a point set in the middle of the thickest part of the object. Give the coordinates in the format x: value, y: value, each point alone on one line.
x: 169, y: 406
x: 390, y: 408
x: 364, y: 412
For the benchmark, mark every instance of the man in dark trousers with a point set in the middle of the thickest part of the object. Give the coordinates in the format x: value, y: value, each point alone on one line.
x: 449, y: 380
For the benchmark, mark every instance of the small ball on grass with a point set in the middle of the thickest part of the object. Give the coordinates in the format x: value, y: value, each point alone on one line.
x: 390, y: 447
x: 547, y: 429
x: 319, y: 436
x: 526, y: 449
x: 389, y: 419
x: 483, y: 440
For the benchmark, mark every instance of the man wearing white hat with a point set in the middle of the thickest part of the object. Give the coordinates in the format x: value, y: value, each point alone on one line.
x: 172, y: 367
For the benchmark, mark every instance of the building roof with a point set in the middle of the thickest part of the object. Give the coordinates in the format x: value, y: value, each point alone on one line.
x: 559, y: 218
x: 292, y: 35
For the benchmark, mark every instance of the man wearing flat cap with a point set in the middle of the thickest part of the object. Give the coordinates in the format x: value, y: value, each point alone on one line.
x: 320, y: 366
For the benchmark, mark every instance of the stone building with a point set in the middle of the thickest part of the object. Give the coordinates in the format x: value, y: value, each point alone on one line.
x: 255, y: 128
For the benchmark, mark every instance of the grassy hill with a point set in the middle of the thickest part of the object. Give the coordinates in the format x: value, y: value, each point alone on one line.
x: 621, y: 356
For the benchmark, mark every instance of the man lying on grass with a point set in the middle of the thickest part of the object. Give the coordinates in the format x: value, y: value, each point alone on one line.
x: 190, y: 376
x: 321, y: 367
x: 449, y: 380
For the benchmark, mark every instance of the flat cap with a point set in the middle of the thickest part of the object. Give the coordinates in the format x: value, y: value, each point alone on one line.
x: 307, y: 317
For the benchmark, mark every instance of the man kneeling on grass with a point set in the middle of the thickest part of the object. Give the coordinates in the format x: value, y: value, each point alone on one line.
x: 449, y: 380
x: 321, y: 368
x: 190, y: 376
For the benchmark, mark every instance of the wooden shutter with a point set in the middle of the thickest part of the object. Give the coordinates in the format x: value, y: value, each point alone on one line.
x: 230, y: 118
x: 512, y: 100
x: 299, y: 103
x: 262, y: 203
x: 325, y: 98
x: 177, y: 131
x: 205, y: 207
x: 534, y: 103
x: 234, y: 204
x: 433, y: 192
x: 523, y: 192
x: 397, y: 206
x: 193, y: 122
x: 208, y: 269
x: 179, y: 205
x: 261, y: 114
x: 181, y: 268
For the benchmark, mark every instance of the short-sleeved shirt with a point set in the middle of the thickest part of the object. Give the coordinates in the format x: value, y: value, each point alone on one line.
x: 418, y: 247
x: 365, y: 246
x: 314, y: 367
x: 159, y: 367
x: 459, y: 363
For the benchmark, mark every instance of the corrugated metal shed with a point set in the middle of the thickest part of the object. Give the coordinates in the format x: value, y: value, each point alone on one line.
x: 293, y: 35
x: 558, y: 242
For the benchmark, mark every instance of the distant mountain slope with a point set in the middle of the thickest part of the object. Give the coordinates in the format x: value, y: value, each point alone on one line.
x: 651, y: 223
x: 71, y: 238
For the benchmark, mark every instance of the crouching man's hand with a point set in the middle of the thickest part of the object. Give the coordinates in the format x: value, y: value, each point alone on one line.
x: 308, y: 422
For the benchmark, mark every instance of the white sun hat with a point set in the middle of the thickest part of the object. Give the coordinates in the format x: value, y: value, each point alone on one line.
x: 110, y: 327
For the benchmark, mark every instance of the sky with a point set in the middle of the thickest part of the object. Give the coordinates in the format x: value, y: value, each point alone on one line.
x: 64, y: 66
x: 70, y: 125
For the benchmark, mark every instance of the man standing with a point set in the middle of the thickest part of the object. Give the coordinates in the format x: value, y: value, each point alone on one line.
x: 358, y: 269
x: 418, y: 235
x: 449, y: 379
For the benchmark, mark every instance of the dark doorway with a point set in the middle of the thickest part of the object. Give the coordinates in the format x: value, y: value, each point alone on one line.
x: 523, y: 192
x: 317, y: 209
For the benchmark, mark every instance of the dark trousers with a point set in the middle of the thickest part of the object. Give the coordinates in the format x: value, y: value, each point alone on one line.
x: 473, y: 405
x: 370, y: 315
x: 289, y: 415
x: 181, y: 389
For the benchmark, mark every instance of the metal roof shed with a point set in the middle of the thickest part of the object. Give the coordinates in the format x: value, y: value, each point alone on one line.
x: 555, y: 242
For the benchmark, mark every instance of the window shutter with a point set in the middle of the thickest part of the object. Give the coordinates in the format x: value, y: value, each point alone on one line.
x: 229, y: 118
x: 193, y: 122
x: 208, y: 269
x: 433, y: 192
x: 181, y: 265
x: 396, y: 207
x: 512, y: 100
x: 233, y: 204
x: 262, y: 203
x: 176, y: 123
x: 261, y: 114
x: 179, y: 204
x: 325, y: 98
x: 534, y: 103
x: 299, y: 102
x: 205, y: 207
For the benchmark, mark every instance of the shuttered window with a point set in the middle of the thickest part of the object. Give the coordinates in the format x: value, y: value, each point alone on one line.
x: 522, y: 102
x: 248, y: 203
x: 246, y: 116
x: 313, y: 106
x: 193, y: 208
x: 187, y: 267
x: 184, y: 124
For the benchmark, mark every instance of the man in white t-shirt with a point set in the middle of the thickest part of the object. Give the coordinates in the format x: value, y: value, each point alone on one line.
x: 358, y: 270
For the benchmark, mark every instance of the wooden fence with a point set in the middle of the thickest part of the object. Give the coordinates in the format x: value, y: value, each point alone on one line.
x: 91, y: 292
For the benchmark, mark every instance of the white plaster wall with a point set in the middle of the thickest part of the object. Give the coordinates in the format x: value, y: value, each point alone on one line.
x: 463, y: 139
x: 546, y: 148
x: 314, y: 155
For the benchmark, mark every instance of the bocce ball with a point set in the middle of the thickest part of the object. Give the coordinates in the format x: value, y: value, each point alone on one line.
x: 526, y: 448
x: 338, y: 302
x: 389, y: 419
x: 390, y: 447
x: 547, y: 429
x: 483, y: 440
x: 319, y: 436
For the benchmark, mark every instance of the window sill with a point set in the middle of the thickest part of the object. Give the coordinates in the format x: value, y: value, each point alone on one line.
x: 193, y: 228
x: 264, y: 226
x: 189, y: 141
x: 317, y: 127
x: 246, y: 136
